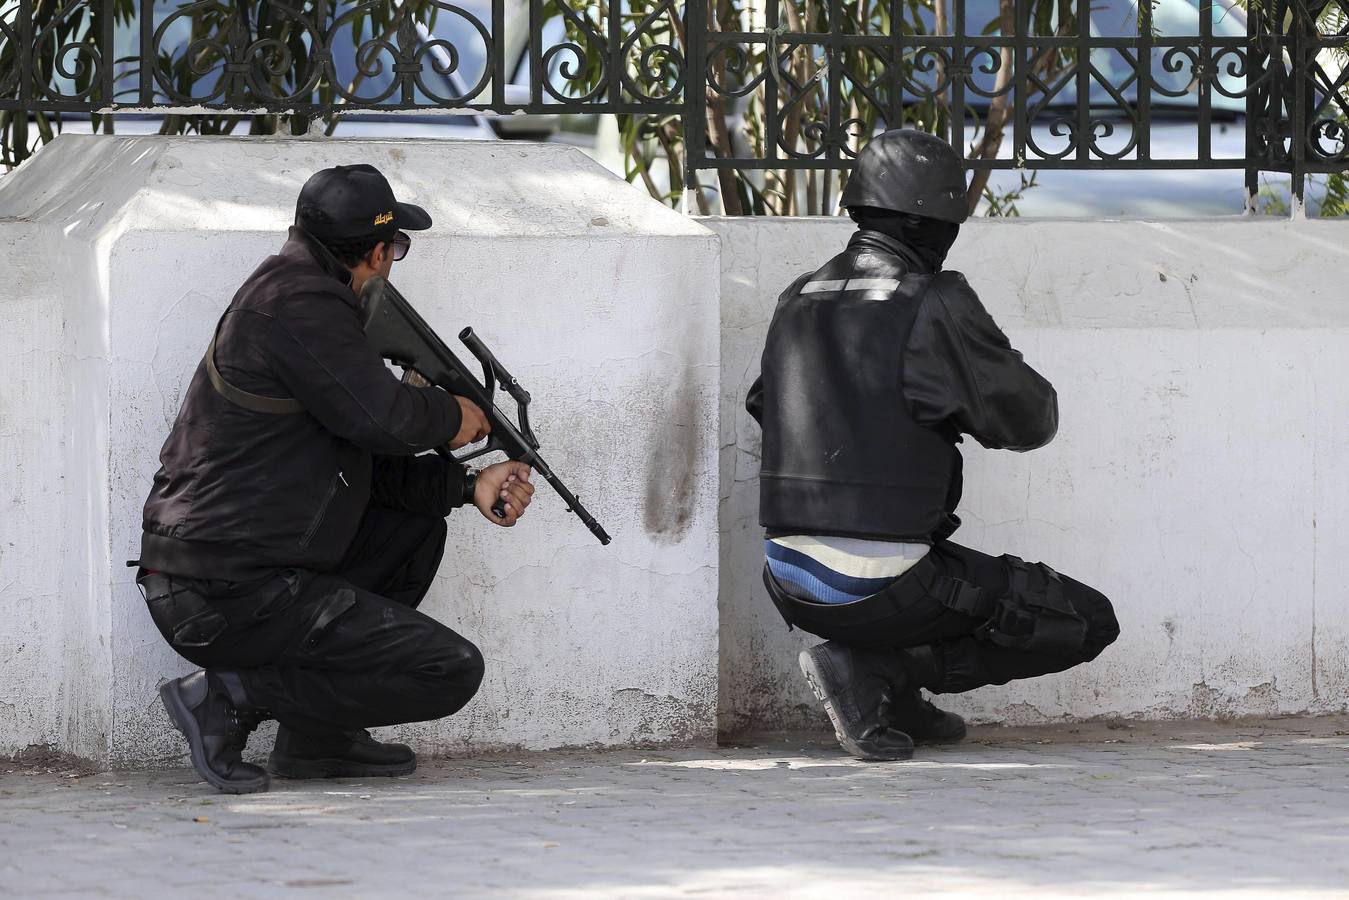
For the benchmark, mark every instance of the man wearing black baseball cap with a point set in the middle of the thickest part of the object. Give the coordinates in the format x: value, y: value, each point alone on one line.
x: 295, y: 523
x: 347, y: 203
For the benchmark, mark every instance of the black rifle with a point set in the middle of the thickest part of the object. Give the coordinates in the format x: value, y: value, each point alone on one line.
x: 402, y: 336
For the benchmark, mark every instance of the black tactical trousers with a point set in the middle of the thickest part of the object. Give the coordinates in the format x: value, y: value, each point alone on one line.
x: 345, y: 649
x: 976, y: 619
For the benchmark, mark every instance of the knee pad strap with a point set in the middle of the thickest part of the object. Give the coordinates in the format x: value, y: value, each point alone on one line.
x: 1036, y: 615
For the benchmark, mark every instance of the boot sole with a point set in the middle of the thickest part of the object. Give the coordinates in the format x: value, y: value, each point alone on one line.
x: 810, y: 668
x: 290, y: 767
x: 186, y: 723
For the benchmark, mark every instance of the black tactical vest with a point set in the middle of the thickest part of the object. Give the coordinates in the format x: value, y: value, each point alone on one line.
x: 841, y: 453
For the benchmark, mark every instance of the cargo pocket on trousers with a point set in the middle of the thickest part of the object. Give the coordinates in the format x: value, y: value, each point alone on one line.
x: 1036, y: 616
x: 326, y: 613
x: 276, y: 595
x: 185, y: 617
x: 200, y: 629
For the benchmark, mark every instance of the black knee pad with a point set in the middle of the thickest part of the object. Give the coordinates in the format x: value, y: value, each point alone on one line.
x: 1096, y: 608
x: 1037, y: 614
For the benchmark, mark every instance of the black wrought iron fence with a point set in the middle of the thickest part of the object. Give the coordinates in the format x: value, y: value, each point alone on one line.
x: 741, y: 84
x: 313, y: 59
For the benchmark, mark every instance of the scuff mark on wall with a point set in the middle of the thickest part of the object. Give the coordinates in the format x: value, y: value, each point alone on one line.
x: 667, y: 509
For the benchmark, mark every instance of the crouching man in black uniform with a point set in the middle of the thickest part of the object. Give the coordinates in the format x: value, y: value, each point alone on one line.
x: 873, y: 368
x: 292, y: 528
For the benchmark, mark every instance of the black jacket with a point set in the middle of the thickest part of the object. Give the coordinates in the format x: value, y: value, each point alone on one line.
x: 873, y: 368
x: 238, y: 491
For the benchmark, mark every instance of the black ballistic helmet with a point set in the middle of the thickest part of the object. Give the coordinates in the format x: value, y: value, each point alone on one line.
x: 352, y: 202
x: 910, y: 172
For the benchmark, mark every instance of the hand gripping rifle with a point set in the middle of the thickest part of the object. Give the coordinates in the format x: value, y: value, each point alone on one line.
x: 402, y: 336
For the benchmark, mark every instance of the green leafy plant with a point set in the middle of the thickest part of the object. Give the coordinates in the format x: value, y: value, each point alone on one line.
x: 1331, y: 191
x: 55, y: 28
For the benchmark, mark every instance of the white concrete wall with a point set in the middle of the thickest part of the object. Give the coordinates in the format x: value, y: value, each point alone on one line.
x: 1199, y: 477
x: 121, y: 253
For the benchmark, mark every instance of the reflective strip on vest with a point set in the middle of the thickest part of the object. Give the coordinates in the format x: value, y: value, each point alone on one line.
x: 850, y: 284
x: 820, y: 287
x: 872, y: 284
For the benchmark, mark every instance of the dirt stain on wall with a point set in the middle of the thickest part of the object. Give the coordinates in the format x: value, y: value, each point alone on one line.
x: 668, y: 505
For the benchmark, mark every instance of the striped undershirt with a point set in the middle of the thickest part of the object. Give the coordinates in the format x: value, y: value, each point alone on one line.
x: 838, y: 569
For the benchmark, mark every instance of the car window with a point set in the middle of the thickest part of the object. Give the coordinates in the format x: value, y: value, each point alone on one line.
x: 463, y: 30
x: 368, y: 80
x: 1170, y: 19
x: 1117, y: 19
x: 554, y: 33
x: 1109, y: 18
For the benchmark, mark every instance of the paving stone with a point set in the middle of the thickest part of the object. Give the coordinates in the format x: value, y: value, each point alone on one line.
x: 1194, y: 809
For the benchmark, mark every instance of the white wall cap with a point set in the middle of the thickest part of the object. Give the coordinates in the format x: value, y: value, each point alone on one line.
x: 1185, y: 274
x: 520, y: 189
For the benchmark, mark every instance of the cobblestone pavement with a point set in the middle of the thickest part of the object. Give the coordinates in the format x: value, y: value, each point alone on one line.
x: 1239, y: 809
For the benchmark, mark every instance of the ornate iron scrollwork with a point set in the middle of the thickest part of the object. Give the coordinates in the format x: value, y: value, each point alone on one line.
x: 1073, y: 95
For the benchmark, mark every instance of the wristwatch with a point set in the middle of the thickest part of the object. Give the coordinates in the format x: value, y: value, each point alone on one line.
x: 470, y: 485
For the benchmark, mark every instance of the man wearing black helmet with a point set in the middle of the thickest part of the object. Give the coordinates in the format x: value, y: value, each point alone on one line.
x: 873, y: 368
x: 292, y: 529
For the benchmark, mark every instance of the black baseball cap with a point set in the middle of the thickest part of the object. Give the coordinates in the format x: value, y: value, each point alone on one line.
x: 352, y: 202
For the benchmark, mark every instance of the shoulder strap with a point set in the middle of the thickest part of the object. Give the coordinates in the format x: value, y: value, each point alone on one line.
x: 252, y: 402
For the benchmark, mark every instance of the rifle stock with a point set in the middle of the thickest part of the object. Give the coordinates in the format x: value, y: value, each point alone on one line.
x: 399, y: 334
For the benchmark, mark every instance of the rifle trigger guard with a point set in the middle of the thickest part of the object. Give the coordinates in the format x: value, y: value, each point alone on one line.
x: 493, y: 444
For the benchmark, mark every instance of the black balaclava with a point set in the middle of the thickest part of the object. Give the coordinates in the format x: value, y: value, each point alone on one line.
x: 930, y: 239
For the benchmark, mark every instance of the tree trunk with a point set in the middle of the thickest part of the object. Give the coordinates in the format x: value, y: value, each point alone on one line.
x: 717, y: 131
x: 998, y: 111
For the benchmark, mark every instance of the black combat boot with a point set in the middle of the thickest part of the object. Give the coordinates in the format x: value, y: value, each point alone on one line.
x: 922, y: 721
x: 337, y: 754
x: 909, y: 712
x: 855, y: 686
x: 212, y: 711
